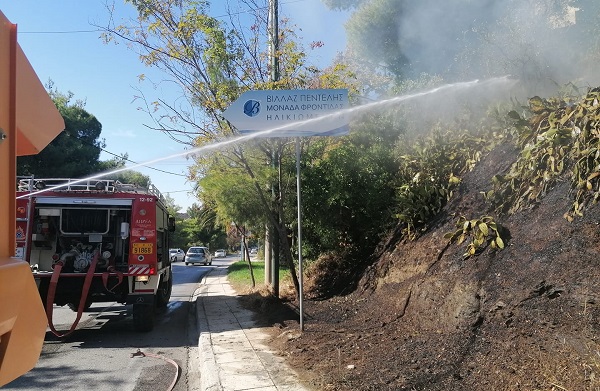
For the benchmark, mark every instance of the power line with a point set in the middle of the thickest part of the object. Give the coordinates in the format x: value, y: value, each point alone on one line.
x: 61, y: 32
x: 128, y: 160
x: 101, y: 30
x: 139, y: 164
x: 255, y: 9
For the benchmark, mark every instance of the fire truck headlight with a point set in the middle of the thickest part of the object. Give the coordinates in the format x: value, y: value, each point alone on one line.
x: 106, y: 255
x: 142, y: 278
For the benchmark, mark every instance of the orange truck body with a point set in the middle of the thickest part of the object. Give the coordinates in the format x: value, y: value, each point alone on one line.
x: 28, y: 122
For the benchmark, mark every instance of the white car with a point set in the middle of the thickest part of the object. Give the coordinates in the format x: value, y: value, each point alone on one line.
x: 198, y: 255
x: 176, y: 254
x: 220, y: 253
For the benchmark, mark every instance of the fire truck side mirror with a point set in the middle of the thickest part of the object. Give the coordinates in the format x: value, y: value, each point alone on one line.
x: 171, y: 223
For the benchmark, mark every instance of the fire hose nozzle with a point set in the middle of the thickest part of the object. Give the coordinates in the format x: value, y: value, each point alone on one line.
x: 138, y: 353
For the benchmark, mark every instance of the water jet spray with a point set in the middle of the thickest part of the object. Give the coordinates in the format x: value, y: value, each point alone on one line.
x: 506, y: 81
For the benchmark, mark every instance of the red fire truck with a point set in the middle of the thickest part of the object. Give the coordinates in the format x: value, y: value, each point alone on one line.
x: 91, y: 241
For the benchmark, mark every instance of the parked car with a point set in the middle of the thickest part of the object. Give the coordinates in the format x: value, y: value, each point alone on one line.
x: 198, y: 255
x: 176, y: 254
x: 220, y: 253
x: 253, y: 251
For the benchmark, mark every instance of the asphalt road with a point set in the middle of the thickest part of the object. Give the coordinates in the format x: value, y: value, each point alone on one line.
x: 103, y: 353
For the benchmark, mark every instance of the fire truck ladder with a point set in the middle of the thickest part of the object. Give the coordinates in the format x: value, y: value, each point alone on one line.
x: 66, y: 184
x: 85, y: 185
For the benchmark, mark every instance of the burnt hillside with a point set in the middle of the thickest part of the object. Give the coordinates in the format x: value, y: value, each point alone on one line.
x: 427, y: 317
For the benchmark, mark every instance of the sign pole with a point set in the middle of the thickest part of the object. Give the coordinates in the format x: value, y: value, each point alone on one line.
x: 291, y: 114
x: 300, y: 268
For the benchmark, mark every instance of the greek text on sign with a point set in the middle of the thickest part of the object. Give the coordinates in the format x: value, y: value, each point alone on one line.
x: 291, y: 113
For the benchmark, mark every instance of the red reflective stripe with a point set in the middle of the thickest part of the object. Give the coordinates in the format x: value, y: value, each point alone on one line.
x: 142, y: 270
x: 139, y: 270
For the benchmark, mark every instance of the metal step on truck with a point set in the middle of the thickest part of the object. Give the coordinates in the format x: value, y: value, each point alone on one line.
x: 99, y: 240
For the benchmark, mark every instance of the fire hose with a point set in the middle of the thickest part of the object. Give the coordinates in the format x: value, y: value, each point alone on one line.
x: 84, y: 294
x: 105, y: 275
x: 139, y: 353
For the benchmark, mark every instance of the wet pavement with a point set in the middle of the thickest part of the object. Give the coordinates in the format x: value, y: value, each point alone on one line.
x: 234, y: 355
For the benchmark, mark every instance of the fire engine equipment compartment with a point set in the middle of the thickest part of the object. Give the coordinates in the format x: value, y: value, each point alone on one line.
x: 72, y: 235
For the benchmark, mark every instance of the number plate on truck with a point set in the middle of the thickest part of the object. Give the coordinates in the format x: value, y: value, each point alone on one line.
x: 142, y: 248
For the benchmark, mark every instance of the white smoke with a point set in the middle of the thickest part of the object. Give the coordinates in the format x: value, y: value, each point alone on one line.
x: 542, y: 42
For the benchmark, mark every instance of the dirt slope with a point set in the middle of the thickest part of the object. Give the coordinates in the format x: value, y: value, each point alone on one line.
x: 426, y: 318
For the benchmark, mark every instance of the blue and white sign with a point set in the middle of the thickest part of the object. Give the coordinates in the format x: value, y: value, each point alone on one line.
x: 291, y: 113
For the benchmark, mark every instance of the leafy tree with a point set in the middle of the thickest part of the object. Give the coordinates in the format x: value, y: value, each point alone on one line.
x: 232, y: 193
x: 215, y: 62
x: 115, y: 168
x: 198, y: 228
x: 172, y: 207
x: 135, y: 178
x: 347, y: 201
x: 347, y: 190
x: 178, y: 237
x: 199, y: 53
x: 373, y: 34
x: 75, y: 152
x: 115, y: 163
x: 183, y: 236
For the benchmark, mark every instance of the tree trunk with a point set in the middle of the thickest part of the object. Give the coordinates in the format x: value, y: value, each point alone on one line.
x: 267, y: 249
x: 249, y: 263
x: 287, y: 251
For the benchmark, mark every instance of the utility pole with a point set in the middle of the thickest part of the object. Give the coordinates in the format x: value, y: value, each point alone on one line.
x: 274, y: 63
x: 274, y: 38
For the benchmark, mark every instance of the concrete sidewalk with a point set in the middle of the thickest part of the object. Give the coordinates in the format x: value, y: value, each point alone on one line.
x: 233, y: 351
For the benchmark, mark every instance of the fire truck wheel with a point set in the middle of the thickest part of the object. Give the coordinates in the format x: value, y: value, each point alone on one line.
x: 163, y: 293
x: 143, y: 317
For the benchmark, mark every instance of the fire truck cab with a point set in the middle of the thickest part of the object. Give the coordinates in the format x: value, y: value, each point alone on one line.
x: 91, y: 241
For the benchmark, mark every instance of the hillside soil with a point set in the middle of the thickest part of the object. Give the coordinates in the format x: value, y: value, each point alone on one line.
x: 426, y: 318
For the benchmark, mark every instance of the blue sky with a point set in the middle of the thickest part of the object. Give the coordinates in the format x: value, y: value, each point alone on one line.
x: 55, y: 36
